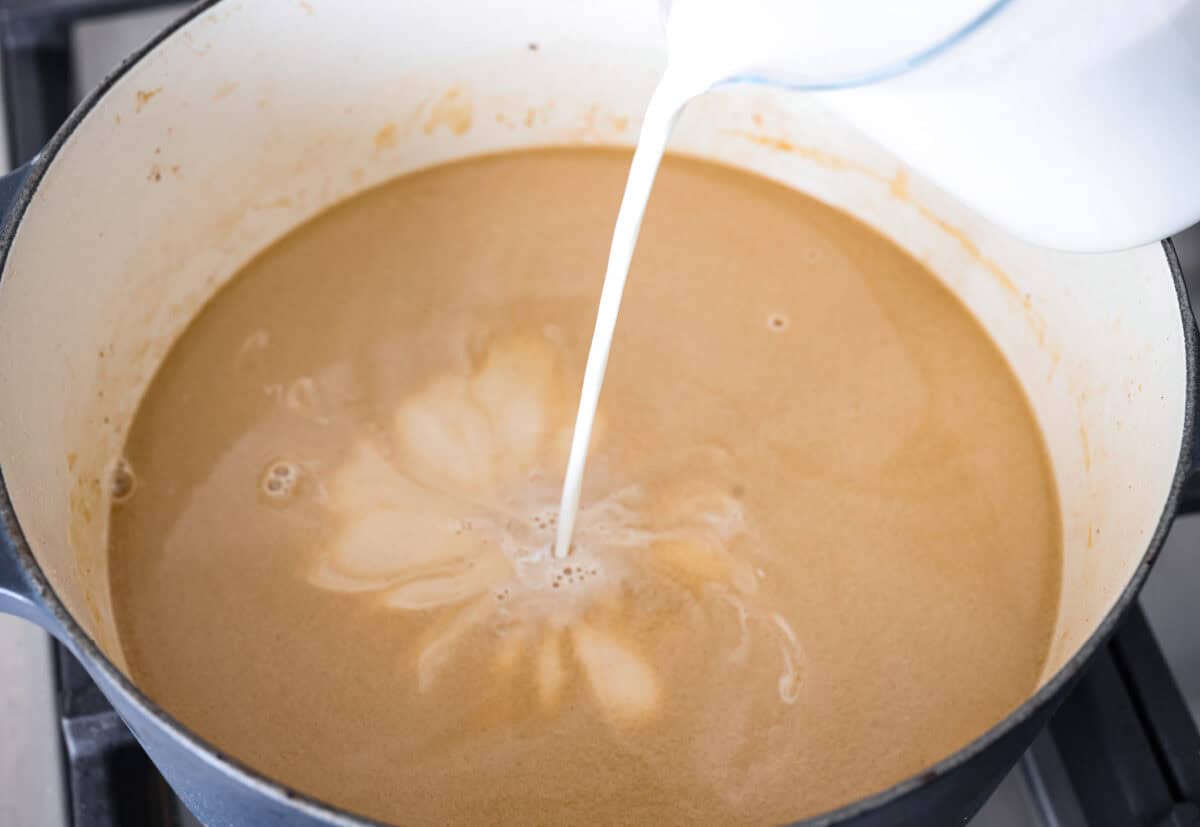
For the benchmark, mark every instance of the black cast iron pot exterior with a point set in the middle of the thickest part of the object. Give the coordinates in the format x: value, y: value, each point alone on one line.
x: 222, y: 792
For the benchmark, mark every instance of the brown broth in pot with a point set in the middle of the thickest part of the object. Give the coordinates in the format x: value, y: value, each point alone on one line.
x: 819, y: 545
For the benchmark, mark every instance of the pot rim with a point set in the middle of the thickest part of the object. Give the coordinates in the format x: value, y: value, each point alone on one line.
x: 84, y: 646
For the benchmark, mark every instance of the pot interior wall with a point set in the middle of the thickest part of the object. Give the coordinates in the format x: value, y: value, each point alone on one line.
x: 255, y: 116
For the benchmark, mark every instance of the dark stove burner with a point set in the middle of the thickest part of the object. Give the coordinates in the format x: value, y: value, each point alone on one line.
x: 1124, y: 738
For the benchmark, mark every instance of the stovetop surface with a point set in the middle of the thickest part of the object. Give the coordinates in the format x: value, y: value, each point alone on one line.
x: 51, y: 721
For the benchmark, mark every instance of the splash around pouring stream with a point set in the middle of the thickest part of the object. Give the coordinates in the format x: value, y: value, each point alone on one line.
x: 448, y: 514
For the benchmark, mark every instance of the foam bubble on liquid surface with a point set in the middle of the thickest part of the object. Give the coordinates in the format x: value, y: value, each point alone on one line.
x: 456, y: 513
x: 279, y: 479
x: 122, y: 481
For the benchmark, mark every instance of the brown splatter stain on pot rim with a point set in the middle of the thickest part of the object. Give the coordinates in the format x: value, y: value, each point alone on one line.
x: 144, y: 96
x: 224, y: 90
x: 385, y: 138
x: 453, y: 111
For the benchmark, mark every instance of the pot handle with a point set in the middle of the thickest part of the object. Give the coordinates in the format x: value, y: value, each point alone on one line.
x: 18, y: 595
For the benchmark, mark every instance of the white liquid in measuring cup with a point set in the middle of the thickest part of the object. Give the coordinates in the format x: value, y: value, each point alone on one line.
x: 810, y: 43
x: 710, y: 41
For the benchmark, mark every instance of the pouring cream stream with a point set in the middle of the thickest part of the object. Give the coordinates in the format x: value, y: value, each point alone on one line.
x: 807, y: 42
x: 665, y: 105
